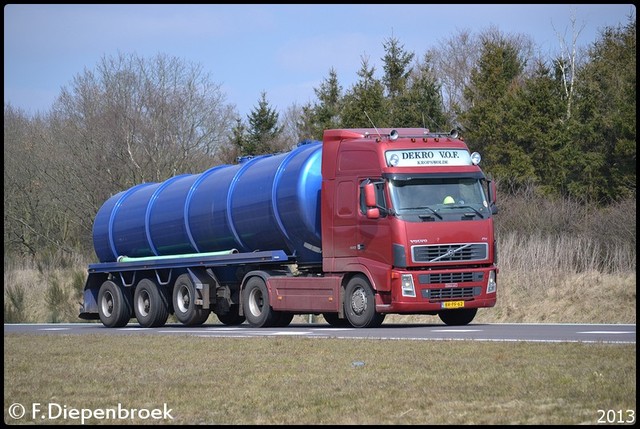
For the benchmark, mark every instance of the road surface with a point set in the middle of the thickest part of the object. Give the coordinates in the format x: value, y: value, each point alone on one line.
x: 549, y: 333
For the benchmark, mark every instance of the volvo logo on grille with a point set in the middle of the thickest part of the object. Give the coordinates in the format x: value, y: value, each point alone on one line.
x: 449, y: 253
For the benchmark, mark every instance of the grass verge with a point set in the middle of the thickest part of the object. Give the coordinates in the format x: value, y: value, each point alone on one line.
x: 316, y: 381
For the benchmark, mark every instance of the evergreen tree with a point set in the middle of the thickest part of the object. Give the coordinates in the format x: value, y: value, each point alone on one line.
x: 543, y: 128
x: 263, y: 130
x: 396, y: 67
x: 307, y: 126
x: 325, y: 114
x: 492, y: 124
x: 237, y: 141
x: 420, y: 105
x: 605, y: 113
x: 365, y: 103
x: 330, y: 96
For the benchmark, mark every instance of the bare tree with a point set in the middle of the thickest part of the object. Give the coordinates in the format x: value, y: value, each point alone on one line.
x: 292, y: 133
x: 453, y: 61
x: 133, y: 120
x: 568, y: 62
x: 32, y: 221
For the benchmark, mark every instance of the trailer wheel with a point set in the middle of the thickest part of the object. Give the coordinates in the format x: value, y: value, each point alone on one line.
x: 232, y: 317
x: 333, y: 320
x: 257, y: 309
x: 184, y: 304
x: 360, y: 305
x: 114, y: 305
x: 149, y: 305
x: 458, y: 317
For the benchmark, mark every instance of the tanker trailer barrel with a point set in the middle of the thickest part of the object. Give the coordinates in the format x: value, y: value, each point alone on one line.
x: 270, y: 202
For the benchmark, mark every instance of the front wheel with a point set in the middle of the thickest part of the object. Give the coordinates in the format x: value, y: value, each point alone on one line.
x: 360, y: 304
x: 282, y: 319
x: 257, y: 308
x: 333, y: 320
x: 458, y: 317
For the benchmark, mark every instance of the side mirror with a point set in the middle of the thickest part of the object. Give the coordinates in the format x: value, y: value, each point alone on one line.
x: 370, y: 195
x: 373, y: 213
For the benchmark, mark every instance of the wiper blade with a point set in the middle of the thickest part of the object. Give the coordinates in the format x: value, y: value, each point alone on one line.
x: 464, y: 207
x: 423, y: 208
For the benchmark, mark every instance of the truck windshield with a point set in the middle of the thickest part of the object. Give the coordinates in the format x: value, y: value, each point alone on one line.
x: 437, y: 196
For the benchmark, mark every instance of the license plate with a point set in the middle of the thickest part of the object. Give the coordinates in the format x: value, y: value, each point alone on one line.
x: 453, y: 304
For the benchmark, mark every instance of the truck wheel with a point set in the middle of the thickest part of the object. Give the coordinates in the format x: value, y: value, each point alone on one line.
x: 333, y: 320
x: 232, y: 317
x: 257, y: 309
x: 282, y: 319
x: 458, y: 317
x: 114, y: 305
x: 360, y: 305
x: 184, y: 304
x: 149, y: 305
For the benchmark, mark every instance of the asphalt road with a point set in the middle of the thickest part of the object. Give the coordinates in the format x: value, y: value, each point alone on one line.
x: 586, y: 333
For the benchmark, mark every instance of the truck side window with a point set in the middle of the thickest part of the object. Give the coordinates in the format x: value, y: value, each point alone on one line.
x: 380, y: 197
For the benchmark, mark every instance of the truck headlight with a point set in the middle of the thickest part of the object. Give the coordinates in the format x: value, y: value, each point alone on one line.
x: 491, y: 284
x: 407, y: 285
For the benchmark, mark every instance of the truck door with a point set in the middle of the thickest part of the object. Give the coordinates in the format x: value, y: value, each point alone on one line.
x: 373, y: 235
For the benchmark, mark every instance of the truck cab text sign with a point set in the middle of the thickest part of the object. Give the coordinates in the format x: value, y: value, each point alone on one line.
x: 427, y: 157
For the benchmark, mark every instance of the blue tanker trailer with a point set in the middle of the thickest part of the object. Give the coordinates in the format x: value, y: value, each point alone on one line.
x: 201, y: 228
x: 266, y: 202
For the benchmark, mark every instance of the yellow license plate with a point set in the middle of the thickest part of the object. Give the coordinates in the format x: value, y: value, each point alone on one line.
x: 453, y: 304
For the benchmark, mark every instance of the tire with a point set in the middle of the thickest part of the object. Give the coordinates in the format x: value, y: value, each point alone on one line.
x: 257, y: 308
x: 232, y: 317
x: 114, y: 305
x: 149, y: 305
x: 360, y: 305
x: 458, y: 317
x: 282, y: 319
x: 333, y: 320
x: 184, y: 304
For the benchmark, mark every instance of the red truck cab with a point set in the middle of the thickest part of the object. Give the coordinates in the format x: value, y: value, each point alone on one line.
x: 411, y: 212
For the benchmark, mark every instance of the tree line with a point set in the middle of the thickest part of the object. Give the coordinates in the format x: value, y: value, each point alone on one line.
x: 565, y: 125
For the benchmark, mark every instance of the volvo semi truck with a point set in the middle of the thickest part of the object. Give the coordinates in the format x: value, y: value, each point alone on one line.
x: 365, y: 223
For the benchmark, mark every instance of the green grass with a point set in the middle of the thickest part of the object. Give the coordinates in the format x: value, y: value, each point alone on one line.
x: 314, y: 381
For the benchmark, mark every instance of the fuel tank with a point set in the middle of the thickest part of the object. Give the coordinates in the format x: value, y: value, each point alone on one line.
x: 269, y: 202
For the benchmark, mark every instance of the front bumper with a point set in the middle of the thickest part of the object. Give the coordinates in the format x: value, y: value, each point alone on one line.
x: 415, y: 292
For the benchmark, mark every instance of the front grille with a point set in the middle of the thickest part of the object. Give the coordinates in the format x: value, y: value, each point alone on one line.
x: 450, y: 278
x: 451, y: 293
x: 450, y: 253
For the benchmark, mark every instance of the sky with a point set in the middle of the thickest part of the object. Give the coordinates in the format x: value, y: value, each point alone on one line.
x: 283, y: 50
